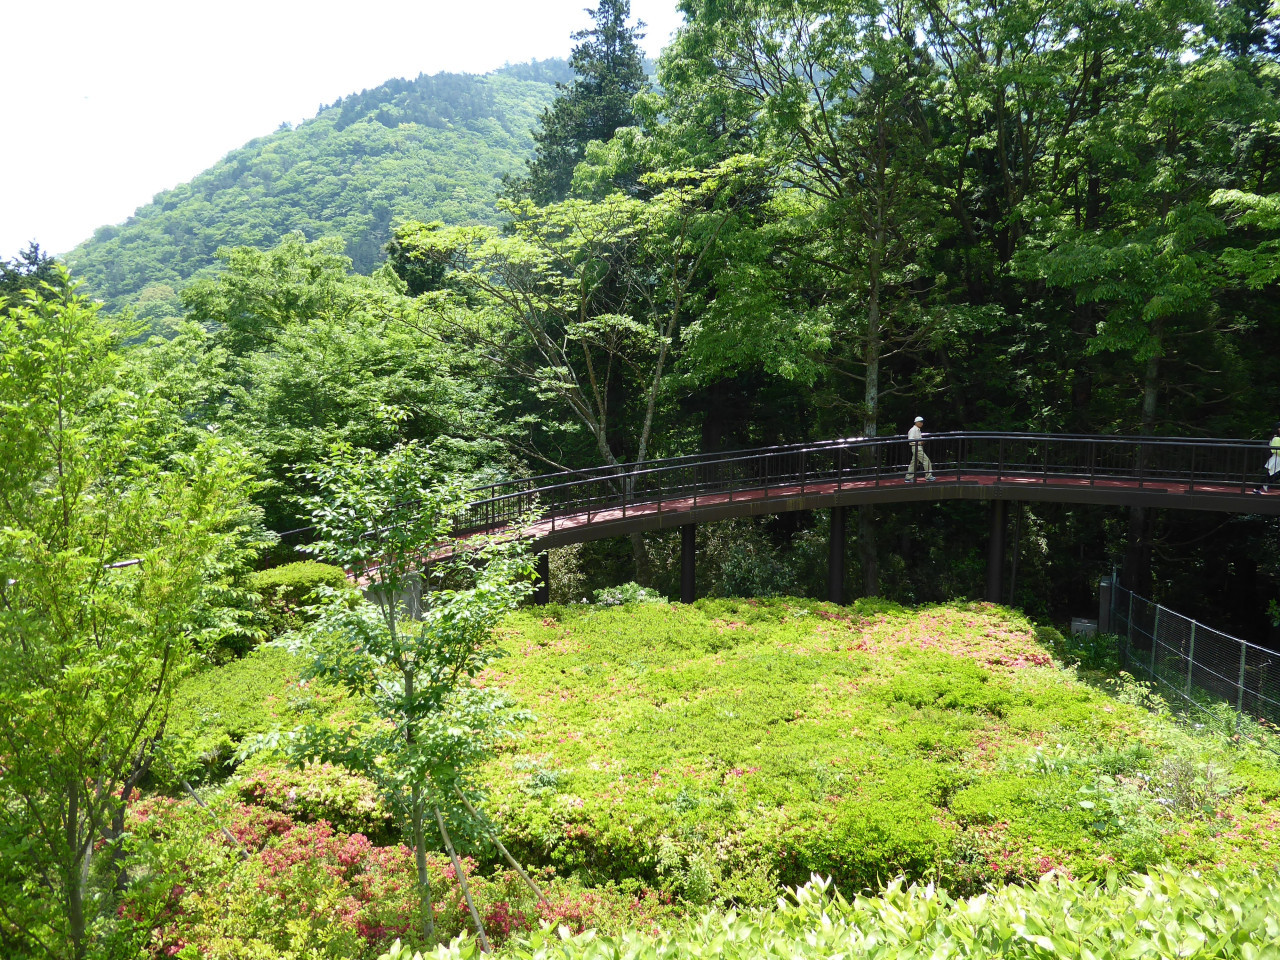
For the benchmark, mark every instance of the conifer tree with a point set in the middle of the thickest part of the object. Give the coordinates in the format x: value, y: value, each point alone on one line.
x: 610, y: 71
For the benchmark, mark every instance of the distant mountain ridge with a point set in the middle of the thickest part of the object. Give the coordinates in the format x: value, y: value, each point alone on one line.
x: 433, y: 148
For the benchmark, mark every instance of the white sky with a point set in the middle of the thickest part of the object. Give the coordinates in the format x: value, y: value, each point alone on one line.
x: 112, y: 102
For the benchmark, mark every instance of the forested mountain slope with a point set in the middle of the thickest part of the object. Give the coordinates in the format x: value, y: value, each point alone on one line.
x: 433, y: 148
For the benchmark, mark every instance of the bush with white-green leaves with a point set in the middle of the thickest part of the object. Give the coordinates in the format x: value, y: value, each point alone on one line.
x: 1165, y: 913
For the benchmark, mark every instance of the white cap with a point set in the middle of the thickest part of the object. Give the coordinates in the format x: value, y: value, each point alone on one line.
x: 919, y: 419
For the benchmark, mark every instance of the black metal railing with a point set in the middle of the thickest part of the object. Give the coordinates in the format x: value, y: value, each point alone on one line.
x: 1193, y: 661
x: 1222, y: 466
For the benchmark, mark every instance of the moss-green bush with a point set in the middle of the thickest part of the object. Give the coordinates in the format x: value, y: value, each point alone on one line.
x: 675, y: 745
x: 213, y: 711
x: 320, y: 791
x: 288, y: 592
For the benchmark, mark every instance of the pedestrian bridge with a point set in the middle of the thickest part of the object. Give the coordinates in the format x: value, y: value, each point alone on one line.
x: 582, y: 505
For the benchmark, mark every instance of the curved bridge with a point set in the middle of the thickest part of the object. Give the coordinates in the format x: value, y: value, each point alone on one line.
x: 1201, y: 474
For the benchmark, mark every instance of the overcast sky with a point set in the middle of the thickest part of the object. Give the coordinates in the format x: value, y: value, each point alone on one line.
x: 112, y: 101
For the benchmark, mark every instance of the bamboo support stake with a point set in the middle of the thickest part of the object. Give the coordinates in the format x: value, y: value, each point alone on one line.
x: 462, y: 880
x: 503, y: 850
x: 244, y: 854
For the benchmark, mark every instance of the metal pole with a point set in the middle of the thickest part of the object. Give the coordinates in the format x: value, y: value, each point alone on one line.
x: 995, y: 553
x: 688, y: 559
x: 1240, y: 684
x: 1155, y: 632
x: 1191, y: 656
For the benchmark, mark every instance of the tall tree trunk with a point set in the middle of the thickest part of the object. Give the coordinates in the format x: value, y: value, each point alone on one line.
x: 868, y: 554
x: 77, y: 873
x: 1137, y: 556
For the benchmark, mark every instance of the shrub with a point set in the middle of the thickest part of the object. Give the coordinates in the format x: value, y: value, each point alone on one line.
x: 627, y: 593
x: 288, y: 591
x: 309, y: 890
x: 1164, y: 914
x: 320, y: 791
x: 869, y: 842
x: 213, y: 711
x: 1098, y: 652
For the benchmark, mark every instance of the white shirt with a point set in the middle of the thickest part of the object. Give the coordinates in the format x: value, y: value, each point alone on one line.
x: 915, y: 433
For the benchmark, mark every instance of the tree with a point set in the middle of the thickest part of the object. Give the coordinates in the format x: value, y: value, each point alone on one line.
x: 836, y: 102
x: 610, y: 71
x: 29, y: 270
x: 109, y: 561
x: 584, y: 301
x: 301, y: 353
x: 410, y: 653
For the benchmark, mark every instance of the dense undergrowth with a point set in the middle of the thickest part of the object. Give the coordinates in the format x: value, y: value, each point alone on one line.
x: 710, y: 755
x: 723, y: 749
x: 1167, y: 914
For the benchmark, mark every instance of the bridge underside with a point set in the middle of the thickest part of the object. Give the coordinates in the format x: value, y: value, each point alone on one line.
x: 586, y: 525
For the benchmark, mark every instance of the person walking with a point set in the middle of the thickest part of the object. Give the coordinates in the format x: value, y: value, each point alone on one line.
x: 1272, y: 466
x: 915, y: 440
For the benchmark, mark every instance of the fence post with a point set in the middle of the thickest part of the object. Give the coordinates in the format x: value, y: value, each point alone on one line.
x: 1155, y: 632
x: 1191, y: 656
x: 1244, y: 648
x: 1128, y: 624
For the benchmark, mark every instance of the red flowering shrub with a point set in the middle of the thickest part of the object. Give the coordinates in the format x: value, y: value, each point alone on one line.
x: 321, y: 791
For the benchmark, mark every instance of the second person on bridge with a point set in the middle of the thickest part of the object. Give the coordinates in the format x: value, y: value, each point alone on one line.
x: 915, y: 440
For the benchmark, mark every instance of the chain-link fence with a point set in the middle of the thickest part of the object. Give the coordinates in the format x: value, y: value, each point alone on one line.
x: 1193, y: 660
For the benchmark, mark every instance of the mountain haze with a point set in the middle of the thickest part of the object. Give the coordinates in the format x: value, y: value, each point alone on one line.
x: 432, y: 148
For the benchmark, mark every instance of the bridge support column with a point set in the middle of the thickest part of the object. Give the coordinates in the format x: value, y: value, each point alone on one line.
x: 542, y: 592
x: 995, y: 552
x: 1106, y: 594
x: 688, y: 557
x: 835, y: 556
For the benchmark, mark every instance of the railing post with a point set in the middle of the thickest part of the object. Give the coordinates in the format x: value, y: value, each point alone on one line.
x: 802, y: 471
x: 1191, y: 655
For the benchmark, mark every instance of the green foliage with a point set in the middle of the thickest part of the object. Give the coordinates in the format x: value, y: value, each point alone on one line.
x: 719, y: 749
x: 294, y: 353
x: 626, y: 593
x: 290, y: 592
x: 310, y: 889
x: 1096, y: 652
x: 408, y: 655
x: 217, y: 710
x: 610, y: 72
x: 30, y: 270
x: 320, y: 791
x: 114, y: 569
x: 434, y: 148
x: 1167, y: 913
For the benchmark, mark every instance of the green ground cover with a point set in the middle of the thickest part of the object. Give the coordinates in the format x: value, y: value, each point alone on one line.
x: 721, y: 749
x: 698, y: 756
